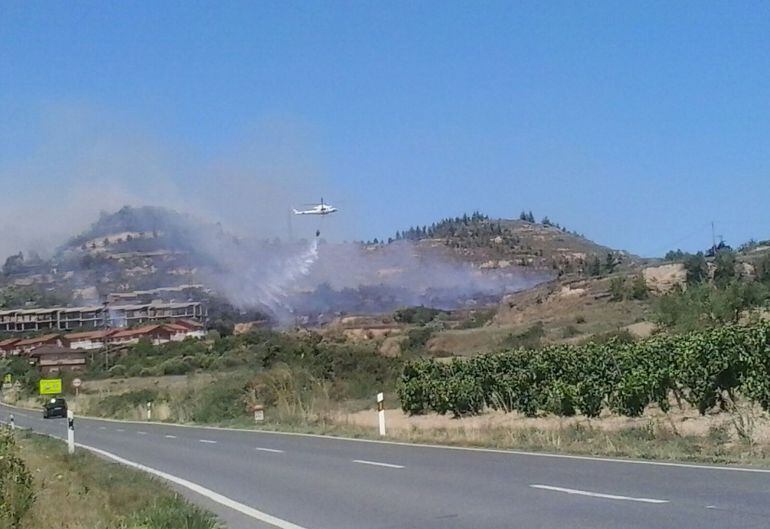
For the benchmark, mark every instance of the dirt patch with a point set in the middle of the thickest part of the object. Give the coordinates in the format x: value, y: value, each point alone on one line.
x: 643, y: 329
x: 569, y: 311
x: 468, y: 341
x: 364, y: 334
x: 663, y: 278
x: 391, y: 346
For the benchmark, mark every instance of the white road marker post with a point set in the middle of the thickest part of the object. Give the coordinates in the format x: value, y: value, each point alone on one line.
x: 149, y: 411
x: 13, y: 424
x: 70, y: 432
x: 381, y: 412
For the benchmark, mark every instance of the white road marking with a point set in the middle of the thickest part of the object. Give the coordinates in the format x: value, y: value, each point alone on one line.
x: 141, y: 433
x: 199, y: 489
x: 102, y: 427
x: 269, y: 450
x: 597, y: 494
x: 376, y: 463
x: 119, y: 430
x: 207, y: 441
x: 170, y: 436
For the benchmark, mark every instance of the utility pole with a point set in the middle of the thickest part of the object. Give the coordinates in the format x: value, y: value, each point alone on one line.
x: 713, y: 238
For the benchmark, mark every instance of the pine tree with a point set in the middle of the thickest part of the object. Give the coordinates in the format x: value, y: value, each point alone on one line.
x: 595, y: 268
x: 610, y: 263
x: 530, y: 217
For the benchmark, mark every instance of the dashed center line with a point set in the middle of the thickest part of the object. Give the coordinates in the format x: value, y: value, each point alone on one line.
x: 207, y: 441
x: 170, y: 436
x: 102, y: 427
x: 377, y: 463
x: 119, y: 430
x: 141, y: 433
x: 597, y: 494
x: 273, y: 450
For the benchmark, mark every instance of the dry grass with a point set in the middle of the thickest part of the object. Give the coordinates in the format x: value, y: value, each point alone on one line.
x: 739, y: 438
x: 653, y: 440
x: 466, y: 342
x: 583, y: 304
x: 85, y: 492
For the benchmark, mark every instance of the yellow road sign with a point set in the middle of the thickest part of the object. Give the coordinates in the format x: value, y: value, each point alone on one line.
x: 50, y: 386
x: 8, y: 379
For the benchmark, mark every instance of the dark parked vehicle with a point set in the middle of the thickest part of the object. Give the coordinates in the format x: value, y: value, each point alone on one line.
x: 55, y: 407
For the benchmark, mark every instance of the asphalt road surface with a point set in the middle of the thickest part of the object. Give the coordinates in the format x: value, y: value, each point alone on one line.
x: 258, y: 479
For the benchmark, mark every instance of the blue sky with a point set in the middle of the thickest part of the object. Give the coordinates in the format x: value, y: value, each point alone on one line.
x: 634, y: 124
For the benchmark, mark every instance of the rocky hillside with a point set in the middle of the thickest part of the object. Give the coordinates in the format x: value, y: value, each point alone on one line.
x: 133, y: 248
x: 500, y: 243
x: 459, y: 263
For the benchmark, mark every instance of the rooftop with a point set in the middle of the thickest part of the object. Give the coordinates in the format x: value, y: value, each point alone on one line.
x: 54, y: 350
x: 139, y: 331
x: 88, y: 335
x: 37, y: 339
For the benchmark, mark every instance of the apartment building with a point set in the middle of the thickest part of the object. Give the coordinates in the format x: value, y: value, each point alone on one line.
x: 98, y: 316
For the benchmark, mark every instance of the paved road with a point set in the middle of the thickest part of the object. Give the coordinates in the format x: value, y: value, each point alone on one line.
x: 325, y: 483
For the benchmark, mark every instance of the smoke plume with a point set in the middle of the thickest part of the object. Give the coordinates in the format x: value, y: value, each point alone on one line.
x: 83, y: 162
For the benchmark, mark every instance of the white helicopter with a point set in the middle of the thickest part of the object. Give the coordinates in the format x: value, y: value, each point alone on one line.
x: 317, y: 209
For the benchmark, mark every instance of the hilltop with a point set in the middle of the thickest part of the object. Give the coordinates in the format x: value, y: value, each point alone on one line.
x: 497, y: 278
x: 142, y: 248
x: 501, y: 243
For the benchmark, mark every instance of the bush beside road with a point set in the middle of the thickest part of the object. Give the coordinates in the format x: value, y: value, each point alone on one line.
x: 41, y: 486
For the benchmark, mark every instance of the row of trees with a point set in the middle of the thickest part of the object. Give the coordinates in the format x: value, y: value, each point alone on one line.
x: 707, y: 369
x: 528, y: 216
x: 447, y: 227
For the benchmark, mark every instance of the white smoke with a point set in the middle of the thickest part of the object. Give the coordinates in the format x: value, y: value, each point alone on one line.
x: 83, y: 162
x: 250, y: 275
x: 310, y: 279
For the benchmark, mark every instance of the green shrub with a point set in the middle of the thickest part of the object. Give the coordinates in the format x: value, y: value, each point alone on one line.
x: 478, y: 318
x: 173, y: 513
x: 175, y: 366
x: 134, y: 371
x: 638, y: 289
x: 113, y: 405
x: 118, y: 370
x: 417, y: 315
x: 617, y: 289
x: 530, y: 338
x: 149, y: 372
x: 417, y: 339
x: 220, y: 401
x: 570, y: 331
x: 16, y: 488
x: 708, y: 368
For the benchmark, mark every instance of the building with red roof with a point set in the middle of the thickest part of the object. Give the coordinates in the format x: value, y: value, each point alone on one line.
x: 8, y: 347
x: 30, y: 344
x: 53, y: 359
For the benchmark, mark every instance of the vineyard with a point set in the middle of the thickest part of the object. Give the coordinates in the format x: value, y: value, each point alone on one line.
x: 706, y: 369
